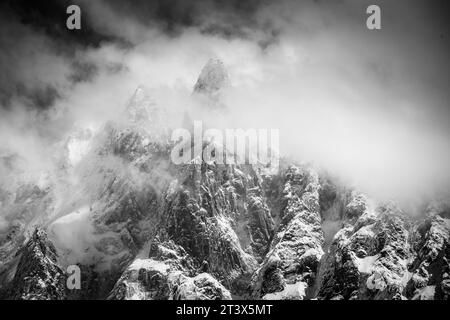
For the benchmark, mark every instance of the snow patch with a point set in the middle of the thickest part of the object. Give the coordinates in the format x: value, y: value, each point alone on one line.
x: 365, y: 264
x: 406, y: 277
x: 376, y: 282
x: 172, y: 187
x: 294, y: 291
x: 366, y: 231
x: 137, y: 293
x: 426, y: 293
x: 149, y: 264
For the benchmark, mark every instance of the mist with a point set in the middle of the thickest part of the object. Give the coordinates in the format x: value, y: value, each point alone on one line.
x: 368, y: 106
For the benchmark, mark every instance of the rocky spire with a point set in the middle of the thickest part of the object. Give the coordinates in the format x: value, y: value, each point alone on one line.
x: 38, y: 276
x: 212, y: 79
x: 137, y: 110
x: 144, y: 112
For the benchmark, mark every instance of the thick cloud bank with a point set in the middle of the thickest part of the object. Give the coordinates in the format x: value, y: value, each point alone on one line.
x: 369, y: 106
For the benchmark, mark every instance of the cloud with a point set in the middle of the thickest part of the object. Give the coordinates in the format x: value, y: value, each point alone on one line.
x: 371, y: 106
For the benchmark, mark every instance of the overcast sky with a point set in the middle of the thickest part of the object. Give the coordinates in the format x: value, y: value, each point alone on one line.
x: 370, y: 106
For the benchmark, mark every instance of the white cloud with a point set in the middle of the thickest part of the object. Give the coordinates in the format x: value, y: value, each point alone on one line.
x: 369, y: 107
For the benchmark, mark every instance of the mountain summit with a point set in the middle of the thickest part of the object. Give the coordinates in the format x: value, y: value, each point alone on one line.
x: 212, y: 79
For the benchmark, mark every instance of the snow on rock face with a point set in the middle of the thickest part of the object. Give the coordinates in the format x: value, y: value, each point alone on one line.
x: 365, y: 264
x: 167, y: 275
x: 26, y: 205
x: 296, y: 250
x: 37, y: 275
x: 295, y: 291
x: 208, y: 231
x: 426, y: 293
x: 219, y: 215
x: 385, y: 256
x: 148, y: 264
x: 359, y: 257
x: 200, y: 287
x: 431, y: 264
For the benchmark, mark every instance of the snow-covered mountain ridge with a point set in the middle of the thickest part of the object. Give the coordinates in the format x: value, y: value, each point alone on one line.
x: 141, y: 227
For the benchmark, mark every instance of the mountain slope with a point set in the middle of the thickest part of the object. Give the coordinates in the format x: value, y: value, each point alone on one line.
x: 141, y: 227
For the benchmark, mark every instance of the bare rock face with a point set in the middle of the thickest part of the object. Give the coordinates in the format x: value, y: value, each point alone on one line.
x: 37, y: 274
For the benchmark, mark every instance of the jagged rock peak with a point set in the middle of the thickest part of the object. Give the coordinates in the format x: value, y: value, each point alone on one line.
x: 144, y: 112
x: 213, y: 77
x: 39, y: 241
x: 137, y: 109
x: 38, y: 276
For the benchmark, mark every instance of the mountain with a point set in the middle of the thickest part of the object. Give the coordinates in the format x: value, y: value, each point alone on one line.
x: 213, y: 78
x: 141, y: 227
x: 37, y: 275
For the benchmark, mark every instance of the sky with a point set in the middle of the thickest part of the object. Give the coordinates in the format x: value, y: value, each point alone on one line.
x: 371, y: 106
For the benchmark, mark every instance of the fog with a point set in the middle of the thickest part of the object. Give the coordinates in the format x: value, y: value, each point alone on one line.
x: 368, y: 106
